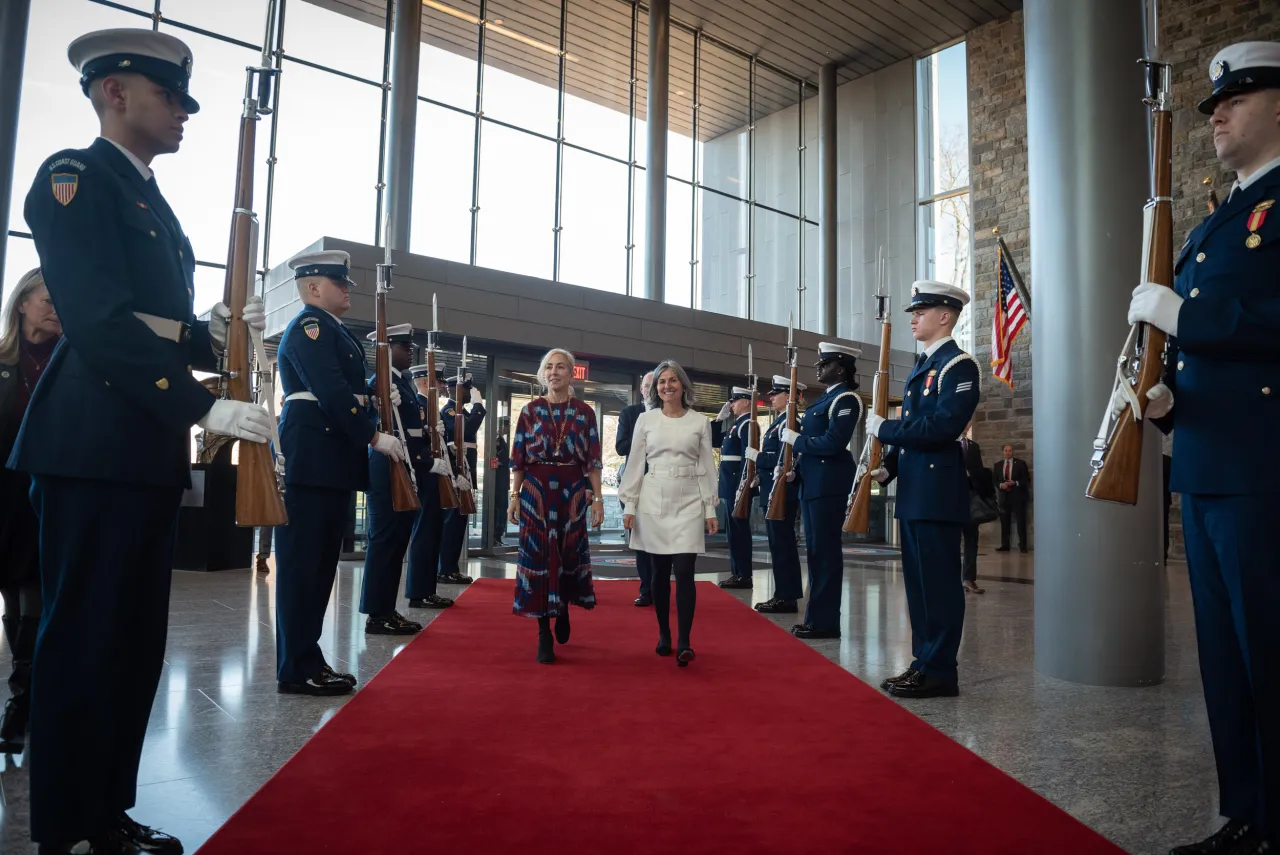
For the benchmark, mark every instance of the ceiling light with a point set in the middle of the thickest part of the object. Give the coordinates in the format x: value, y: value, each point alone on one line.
x: 496, y: 26
x: 497, y: 20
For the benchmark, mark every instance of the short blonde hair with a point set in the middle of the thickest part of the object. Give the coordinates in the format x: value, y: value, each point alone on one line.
x: 546, y: 357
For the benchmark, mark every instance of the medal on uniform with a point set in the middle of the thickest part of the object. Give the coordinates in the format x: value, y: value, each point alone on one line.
x: 1256, y: 219
x: 928, y: 381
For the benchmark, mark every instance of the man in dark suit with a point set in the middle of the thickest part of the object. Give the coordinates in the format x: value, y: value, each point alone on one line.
x: 501, y: 480
x: 980, y: 483
x: 622, y: 445
x: 120, y: 272
x: 1014, y: 480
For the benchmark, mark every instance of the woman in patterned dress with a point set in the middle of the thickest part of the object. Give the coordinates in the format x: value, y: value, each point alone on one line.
x: 555, y: 479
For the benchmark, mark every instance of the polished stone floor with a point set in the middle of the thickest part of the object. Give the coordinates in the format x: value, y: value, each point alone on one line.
x: 1135, y: 764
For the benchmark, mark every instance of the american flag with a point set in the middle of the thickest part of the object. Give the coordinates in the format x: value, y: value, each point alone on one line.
x: 1006, y: 321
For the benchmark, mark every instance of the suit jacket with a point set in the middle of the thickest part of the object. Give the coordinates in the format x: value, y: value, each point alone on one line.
x: 1021, y: 478
x: 940, y: 396
x: 979, y: 475
x: 111, y: 247
x: 1224, y: 364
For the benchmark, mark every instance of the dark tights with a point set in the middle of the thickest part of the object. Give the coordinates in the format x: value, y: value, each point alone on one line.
x: 21, y: 622
x: 686, y: 594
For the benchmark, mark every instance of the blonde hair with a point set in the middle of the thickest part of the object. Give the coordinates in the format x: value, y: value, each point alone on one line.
x: 11, y: 324
x: 542, y: 365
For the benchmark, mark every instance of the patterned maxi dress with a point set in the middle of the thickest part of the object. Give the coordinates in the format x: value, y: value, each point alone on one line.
x: 556, y: 446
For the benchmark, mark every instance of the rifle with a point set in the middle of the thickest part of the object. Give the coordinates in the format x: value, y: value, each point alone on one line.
x: 466, y: 491
x: 1117, y: 451
x: 778, y: 498
x: 259, y: 476
x: 448, y: 493
x: 858, y: 518
x: 742, y: 499
x: 404, y: 489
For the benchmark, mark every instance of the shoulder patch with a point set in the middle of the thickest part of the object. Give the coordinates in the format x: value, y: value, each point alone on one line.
x: 311, y: 327
x: 64, y: 186
x: 64, y: 163
x: 956, y: 360
x: 844, y: 411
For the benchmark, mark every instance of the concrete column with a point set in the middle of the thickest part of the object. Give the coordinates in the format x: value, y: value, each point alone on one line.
x: 1099, y: 592
x: 402, y: 120
x: 13, y: 49
x: 828, y: 250
x: 655, y: 235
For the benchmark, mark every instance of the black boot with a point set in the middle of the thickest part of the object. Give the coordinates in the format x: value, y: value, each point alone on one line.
x: 686, y: 601
x: 546, y: 644
x: 562, y: 626
x: 17, y: 710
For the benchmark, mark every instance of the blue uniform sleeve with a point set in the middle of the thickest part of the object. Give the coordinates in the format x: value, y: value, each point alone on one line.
x: 957, y: 400
x: 447, y: 416
x: 92, y: 285
x: 1229, y: 327
x: 317, y: 365
x: 840, y: 428
x: 473, y: 420
x: 201, y: 353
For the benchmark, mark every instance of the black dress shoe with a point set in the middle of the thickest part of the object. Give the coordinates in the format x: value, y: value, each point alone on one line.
x: 1234, y: 837
x: 320, y: 685
x: 923, y: 686
x: 905, y: 675
x: 392, y: 624
x: 145, y: 839
x: 684, y: 656
x: 778, y: 607
x: 738, y: 583
x: 431, y: 602
x: 338, y: 675
x: 664, y: 644
x: 454, y: 578
x: 643, y: 601
x: 562, y: 626
x: 1002, y: 549
x: 13, y: 727
x: 805, y: 631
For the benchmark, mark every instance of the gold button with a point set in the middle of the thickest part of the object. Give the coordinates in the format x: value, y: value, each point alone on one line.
x: 353, y: 411
x: 1181, y: 364
x: 1195, y: 292
x: 1200, y: 257
x: 1266, y: 390
x: 153, y: 234
x: 162, y: 384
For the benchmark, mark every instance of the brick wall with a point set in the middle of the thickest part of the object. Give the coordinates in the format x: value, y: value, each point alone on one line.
x: 1192, y: 32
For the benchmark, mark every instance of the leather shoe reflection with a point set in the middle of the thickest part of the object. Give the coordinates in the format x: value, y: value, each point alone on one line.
x: 923, y: 686
x: 321, y: 685
x: 804, y: 630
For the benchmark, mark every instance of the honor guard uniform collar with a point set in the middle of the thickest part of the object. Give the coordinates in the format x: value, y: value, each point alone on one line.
x: 157, y: 56
x: 333, y: 263
x: 398, y: 334
x: 783, y: 384
x: 926, y: 293
x: 1242, y: 67
x: 740, y: 394
x: 829, y: 350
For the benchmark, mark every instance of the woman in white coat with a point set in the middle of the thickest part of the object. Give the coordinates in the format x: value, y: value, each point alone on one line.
x: 670, y: 481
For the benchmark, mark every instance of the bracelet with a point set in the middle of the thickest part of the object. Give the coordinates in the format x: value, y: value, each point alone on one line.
x: 594, y: 501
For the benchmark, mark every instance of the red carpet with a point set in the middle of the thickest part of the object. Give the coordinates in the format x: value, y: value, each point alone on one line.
x: 464, y: 743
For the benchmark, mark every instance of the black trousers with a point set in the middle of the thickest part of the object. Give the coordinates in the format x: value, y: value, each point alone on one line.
x: 969, y: 567
x: 682, y: 565
x: 307, y: 552
x: 106, y: 553
x: 1017, y: 509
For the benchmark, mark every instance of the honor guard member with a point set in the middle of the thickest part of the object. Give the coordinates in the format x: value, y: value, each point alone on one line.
x: 939, y: 398
x: 1224, y: 318
x: 390, y: 531
x: 428, y: 528
x: 826, y: 470
x: 783, y: 551
x: 326, y: 429
x: 733, y: 450
x: 120, y: 272
x: 455, y: 523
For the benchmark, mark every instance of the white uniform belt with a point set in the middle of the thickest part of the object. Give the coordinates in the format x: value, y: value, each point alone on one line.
x: 730, y: 458
x: 414, y: 431
x: 465, y: 445
x: 675, y: 471
x: 167, y: 328
x: 362, y: 400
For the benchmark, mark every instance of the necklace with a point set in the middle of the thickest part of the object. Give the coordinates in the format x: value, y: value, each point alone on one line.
x: 557, y: 425
x: 37, y: 366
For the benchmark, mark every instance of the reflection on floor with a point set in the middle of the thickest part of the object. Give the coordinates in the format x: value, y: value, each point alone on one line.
x: 1135, y: 764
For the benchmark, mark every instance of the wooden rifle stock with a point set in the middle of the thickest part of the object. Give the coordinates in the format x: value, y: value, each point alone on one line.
x: 403, y: 496
x: 778, y: 497
x: 448, y: 493
x: 466, y: 497
x: 742, y: 500
x: 258, y: 499
x: 858, y: 518
x: 1117, y: 461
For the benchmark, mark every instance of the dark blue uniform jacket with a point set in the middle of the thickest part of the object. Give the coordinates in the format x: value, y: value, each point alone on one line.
x: 826, y: 466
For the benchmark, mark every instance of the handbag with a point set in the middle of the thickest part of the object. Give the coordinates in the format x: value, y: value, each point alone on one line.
x: 981, y: 509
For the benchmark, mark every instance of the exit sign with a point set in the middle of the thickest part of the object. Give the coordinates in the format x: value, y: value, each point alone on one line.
x: 581, y: 370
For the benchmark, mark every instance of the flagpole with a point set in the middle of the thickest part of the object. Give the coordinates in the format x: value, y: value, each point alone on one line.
x: 1023, y: 294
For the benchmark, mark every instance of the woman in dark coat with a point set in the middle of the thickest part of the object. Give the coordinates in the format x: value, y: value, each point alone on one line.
x: 29, y: 331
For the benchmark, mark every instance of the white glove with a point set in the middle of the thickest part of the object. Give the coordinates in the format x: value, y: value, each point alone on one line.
x: 441, y: 467
x: 880, y: 475
x: 790, y: 436
x: 1155, y: 305
x: 395, y: 395
x: 385, y: 443
x: 726, y: 412
x: 463, y: 483
x: 476, y: 400
x: 219, y: 317
x: 1160, y: 401
x: 255, y: 314
x: 791, y: 476
x: 239, y: 419
x: 873, y: 424
x: 751, y: 453
x: 755, y: 482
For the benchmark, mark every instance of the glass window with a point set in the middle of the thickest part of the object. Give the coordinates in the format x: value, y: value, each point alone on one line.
x: 199, y: 182
x: 210, y: 284
x: 442, y: 171
x: 19, y: 257
x: 777, y: 266
x: 679, y: 289
x: 354, y: 44
x: 723, y: 91
x: 598, y: 76
x: 945, y: 240
x: 326, y: 174
x: 245, y: 20
x: 447, y: 65
x: 522, y: 63
x: 642, y: 83
x: 777, y: 142
x: 638, y: 208
x: 812, y: 209
x: 812, y: 276
x: 723, y: 260
x: 943, y: 121
x: 517, y: 202
x: 594, y: 220
x: 680, y: 105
